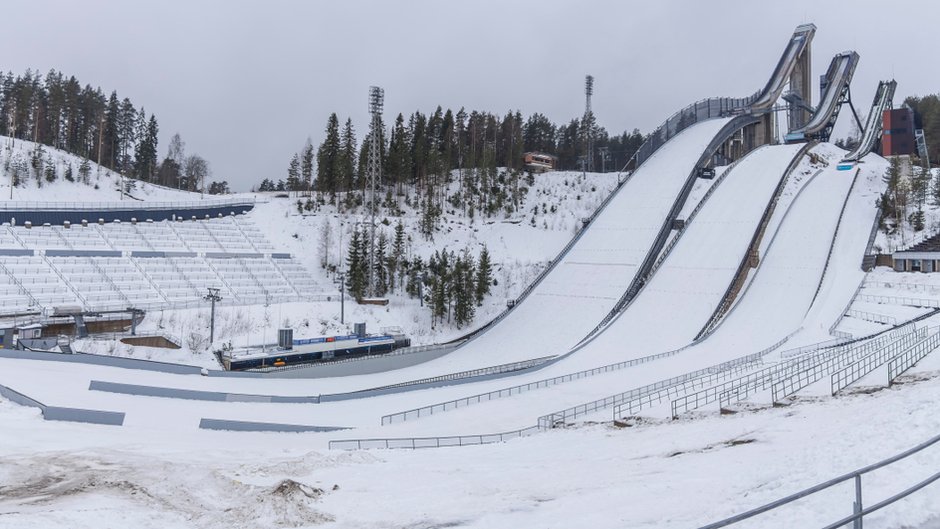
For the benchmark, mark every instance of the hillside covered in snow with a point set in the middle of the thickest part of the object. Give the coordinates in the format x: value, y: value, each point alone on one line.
x: 47, y: 174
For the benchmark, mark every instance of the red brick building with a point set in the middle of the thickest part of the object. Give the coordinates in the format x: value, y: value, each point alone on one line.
x: 898, y: 135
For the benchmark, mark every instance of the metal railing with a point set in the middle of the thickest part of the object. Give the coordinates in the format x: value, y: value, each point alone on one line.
x: 858, y: 512
x: 561, y: 417
x: 8, y: 205
x: 872, y: 317
x: 425, y: 411
x: 741, y: 388
x: 852, y: 373
x: 431, y: 442
x: 708, y: 108
x: 900, y: 300
x: 648, y: 400
x: 785, y: 387
x: 798, y: 351
x: 906, y: 360
x: 472, y: 373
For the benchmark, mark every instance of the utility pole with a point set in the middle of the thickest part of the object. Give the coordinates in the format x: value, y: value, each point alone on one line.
x: 212, y: 297
x: 605, y: 155
x: 376, y: 100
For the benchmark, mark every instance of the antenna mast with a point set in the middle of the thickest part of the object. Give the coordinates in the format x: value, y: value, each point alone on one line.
x: 587, y: 124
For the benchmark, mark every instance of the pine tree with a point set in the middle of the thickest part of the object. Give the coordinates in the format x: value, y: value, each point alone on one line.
x: 347, y: 158
x: 396, y: 259
x: 464, y: 287
x: 356, y: 266
x: 484, y: 279
x: 69, y: 173
x: 306, y: 167
x: 415, y: 271
x: 398, y: 170
x: 892, y: 199
x: 50, y: 170
x: 438, y: 301
x: 381, y: 272
x: 293, y: 174
x: 84, y: 170
x: 328, y: 158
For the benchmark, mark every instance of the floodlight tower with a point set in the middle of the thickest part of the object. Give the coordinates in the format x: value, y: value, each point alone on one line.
x: 376, y: 100
x: 587, y: 124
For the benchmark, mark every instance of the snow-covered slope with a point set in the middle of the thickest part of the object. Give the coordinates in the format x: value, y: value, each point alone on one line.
x: 687, y: 288
x: 100, y: 185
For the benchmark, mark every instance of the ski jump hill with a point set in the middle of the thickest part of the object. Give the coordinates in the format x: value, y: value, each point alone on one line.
x: 719, y: 246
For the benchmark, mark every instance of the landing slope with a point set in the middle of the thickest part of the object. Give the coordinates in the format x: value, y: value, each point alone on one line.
x: 689, y: 285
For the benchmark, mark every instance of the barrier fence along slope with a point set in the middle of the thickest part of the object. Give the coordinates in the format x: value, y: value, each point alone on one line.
x: 854, y: 372
x: 739, y: 389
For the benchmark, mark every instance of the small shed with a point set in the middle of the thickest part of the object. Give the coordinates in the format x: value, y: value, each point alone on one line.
x: 922, y: 257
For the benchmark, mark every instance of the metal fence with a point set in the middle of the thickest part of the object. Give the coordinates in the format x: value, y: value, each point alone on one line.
x: 425, y: 411
x: 13, y: 205
x: 431, y: 442
x: 855, y: 371
x: 710, y: 108
x: 906, y: 360
x: 900, y: 300
x: 741, y: 388
x: 872, y: 317
x: 483, y: 371
x: 785, y: 387
x: 562, y: 417
x: 858, y: 512
x: 707, y: 379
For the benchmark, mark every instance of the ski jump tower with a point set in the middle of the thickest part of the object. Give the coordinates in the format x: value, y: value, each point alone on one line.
x: 794, y: 69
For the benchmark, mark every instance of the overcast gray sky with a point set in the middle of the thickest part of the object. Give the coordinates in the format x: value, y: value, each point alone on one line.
x: 246, y: 82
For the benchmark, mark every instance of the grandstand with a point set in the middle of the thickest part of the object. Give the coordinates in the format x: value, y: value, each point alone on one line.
x: 146, y: 265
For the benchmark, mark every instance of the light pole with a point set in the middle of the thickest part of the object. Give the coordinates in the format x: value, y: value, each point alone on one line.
x: 342, y: 298
x: 212, y: 297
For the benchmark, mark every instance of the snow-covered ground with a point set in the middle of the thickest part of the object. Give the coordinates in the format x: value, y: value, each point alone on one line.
x: 658, y: 474
x: 103, y: 185
x: 161, y: 470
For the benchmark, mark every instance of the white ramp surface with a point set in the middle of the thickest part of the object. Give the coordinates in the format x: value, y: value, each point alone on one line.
x: 591, y: 278
x: 684, y: 292
x: 782, y: 291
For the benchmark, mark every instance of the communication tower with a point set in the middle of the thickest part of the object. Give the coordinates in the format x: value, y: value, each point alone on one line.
x: 376, y: 100
x: 587, y: 124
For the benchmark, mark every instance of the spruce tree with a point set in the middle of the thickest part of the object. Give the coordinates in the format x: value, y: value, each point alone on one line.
x: 50, y: 171
x: 293, y: 174
x: 484, y: 278
x: 328, y: 158
x: 347, y: 158
x: 306, y: 167
x: 397, y: 258
x: 356, y: 265
x: 464, y: 290
x: 381, y: 272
